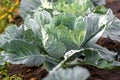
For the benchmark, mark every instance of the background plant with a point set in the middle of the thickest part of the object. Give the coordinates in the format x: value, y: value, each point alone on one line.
x: 7, y: 9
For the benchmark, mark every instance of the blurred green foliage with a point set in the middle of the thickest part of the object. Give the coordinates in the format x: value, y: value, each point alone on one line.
x: 7, y: 11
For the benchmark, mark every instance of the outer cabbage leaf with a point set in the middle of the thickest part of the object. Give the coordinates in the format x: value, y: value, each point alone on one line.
x: 91, y: 56
x: 104, y: 52
x: 105, y: 64
x: 32, y: 32
x: 69, y: 56
x: 77, y: 73
x: 27, y: 6
x: 116, y: 63
x: 11, y: 32
x: 20, y: 46
x: 98, y: 2
x: 30, y: 23
x: 96, y: 25
x: 84, y: 56
x: 50, y: 63
x: 97, y: 31
x: 26, y: 49
x: 42, y: 17
x: 94, y: 57
x: 3, y: 58
x: 21, y: 52
x: 113, y: 30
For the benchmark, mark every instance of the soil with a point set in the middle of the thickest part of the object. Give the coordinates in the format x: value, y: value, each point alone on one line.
x: 115, y: 6
x: 18, y: 20
x: 37, y: 73
x: 102, y: 74
x: 112, y: 45
x: 27, y: 73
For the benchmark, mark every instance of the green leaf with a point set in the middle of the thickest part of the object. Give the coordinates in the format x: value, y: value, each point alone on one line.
x: 100, y: 10
x: 77, y: 73
x: 64, y: 34
x: 77, y: 7
x: 54, y: 47
x: 42, y: 17
x: 65, y: 19
x: 96, y: 25
x: 29, y: 35
x: 91, y: 56
x: 30, y: 23
x: 104, y: 63
x: 49, y: 64
x: 11, y: 33
x: 27, y: 7
x: 69, y: 56
x: 116, y: 63
x: 113, y: 30
x: 79, y: 32
x: 47, y: 4
x: 104, y: 52
x: 2, y: 58
x: 71, y: 37
x: 98, y: 2
x: 59, y: 39
x: 22, y: 52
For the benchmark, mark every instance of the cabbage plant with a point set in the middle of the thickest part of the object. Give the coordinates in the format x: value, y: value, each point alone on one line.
x: 78, y: 7
x: 58, y: 40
